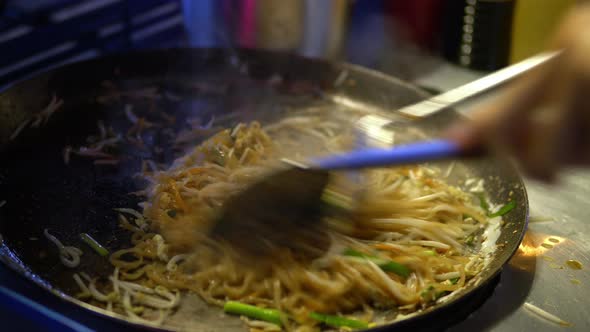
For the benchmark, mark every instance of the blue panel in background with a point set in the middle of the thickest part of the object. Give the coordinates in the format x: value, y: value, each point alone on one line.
x: 366, y: 37
x: 16, y: 318
x: 36, y: 35
x: 202, y: 22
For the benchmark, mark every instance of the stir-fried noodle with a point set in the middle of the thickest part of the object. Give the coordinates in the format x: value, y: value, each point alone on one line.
x: 411, y: 241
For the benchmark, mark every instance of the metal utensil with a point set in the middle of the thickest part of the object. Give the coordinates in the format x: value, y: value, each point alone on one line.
x: 284, y: 208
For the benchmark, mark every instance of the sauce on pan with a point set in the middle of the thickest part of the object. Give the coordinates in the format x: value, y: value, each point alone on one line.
x: 574, y: 264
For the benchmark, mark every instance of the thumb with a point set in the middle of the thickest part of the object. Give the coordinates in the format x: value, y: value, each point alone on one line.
x: 505, y: 118
x: 465, y: 133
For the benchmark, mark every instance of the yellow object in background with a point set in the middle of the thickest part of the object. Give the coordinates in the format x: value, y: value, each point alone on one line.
x: 533, y: 23
x: 279, y: 24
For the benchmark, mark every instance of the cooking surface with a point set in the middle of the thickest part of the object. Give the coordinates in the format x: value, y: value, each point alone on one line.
x: 538, y: 273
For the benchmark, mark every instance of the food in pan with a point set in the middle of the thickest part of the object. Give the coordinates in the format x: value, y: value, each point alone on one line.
x: 414, y: 239
x: 39, y: 119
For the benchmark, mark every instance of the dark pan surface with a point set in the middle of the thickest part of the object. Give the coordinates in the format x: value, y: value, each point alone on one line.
x: 42, y: 192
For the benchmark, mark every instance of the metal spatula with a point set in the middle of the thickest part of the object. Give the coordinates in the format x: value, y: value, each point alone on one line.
x: 284, y: 207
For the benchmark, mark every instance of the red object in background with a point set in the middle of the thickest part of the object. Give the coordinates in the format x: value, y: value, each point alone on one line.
x: 417, y: 21
x: 246, y: 34
x: 238, y: 22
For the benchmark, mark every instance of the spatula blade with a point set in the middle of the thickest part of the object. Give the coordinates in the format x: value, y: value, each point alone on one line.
x: 249, y: 222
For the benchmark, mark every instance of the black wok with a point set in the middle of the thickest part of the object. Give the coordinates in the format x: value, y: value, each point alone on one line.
x: 42, y: 192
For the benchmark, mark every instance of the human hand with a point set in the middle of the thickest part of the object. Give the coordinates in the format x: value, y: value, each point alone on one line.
x: 542, y: 119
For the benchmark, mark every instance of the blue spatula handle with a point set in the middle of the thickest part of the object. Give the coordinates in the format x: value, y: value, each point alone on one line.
x: 402, y: 154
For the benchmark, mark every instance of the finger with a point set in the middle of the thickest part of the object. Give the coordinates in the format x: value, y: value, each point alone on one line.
x: 574, y: 21
x: 575, y: 145
x: 507, y: 112
x: 560, y: 133
x: 499, y: 121
x: 542, y: 153
x: 540, y: 156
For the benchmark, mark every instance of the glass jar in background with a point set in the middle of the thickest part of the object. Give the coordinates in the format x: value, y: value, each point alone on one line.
x: 490, y: 34
x: 279, y: 24
x: 477, y: 33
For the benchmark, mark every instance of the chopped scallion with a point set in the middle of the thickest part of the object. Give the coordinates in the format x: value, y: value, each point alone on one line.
x: 339, y: 321
x: 268, y: 315
x: 354, y: 253
x: 94, y: 244
x: 385, y: 264
x: 430, y: 252
x: 430, y: 294
x: 504, y: 209
x: 483, y: 203
x: 396, y: 268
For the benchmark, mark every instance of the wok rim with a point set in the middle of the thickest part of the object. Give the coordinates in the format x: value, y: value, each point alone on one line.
x: 487, y: 275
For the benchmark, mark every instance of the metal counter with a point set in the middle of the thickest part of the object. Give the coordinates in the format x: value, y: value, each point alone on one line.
x: 559, y: 230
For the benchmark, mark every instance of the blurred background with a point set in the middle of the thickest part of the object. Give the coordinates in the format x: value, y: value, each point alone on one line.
x: 413, y: 40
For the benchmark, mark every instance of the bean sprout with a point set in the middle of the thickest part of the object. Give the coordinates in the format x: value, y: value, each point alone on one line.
x: 69, y: 255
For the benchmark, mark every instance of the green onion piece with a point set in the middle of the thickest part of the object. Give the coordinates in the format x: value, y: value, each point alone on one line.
x: 470, y: 240
x: 339, y: 321
x: 430, y: 294
x: 483, y: 203
x: 504, y: 209
x: 384, y: 264
x: 429, y: 252
x: 396, y: 268
x: 94, y: 244
x: 353, y: 253
x: 454, y: 281
x: 268, y: 315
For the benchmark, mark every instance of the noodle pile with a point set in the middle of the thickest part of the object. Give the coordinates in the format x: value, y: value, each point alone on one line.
x: 411, y: 241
